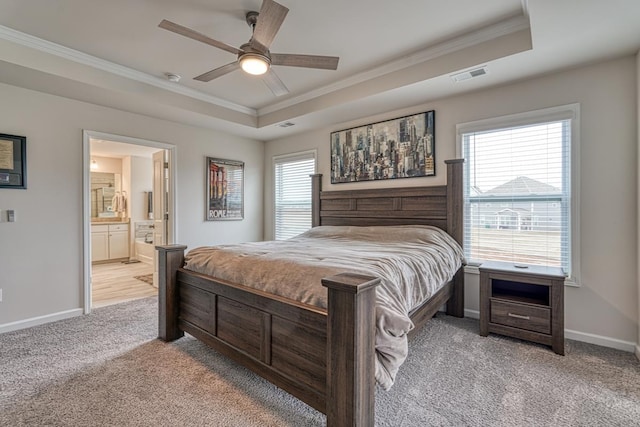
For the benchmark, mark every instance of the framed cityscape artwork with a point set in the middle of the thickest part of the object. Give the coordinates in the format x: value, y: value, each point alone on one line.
x: 397, y: 148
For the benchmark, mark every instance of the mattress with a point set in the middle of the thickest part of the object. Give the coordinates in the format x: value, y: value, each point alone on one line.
x: 413, y: 263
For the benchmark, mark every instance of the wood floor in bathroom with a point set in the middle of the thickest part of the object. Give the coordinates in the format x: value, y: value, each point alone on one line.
x: 115, y: 282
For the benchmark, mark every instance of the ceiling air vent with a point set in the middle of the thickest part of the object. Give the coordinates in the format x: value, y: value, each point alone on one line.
x: 286, y: 124
x: 469, y: 74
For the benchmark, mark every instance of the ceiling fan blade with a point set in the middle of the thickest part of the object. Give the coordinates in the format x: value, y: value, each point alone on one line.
x: 192, y: 34
x: 306, y: 61
x: 270, y: 19
x: 218, y: 72
x: 274, y: 83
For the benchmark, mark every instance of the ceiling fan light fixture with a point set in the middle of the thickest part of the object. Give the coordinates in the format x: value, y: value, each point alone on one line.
x: 254, y: 64
x: 254, y: 57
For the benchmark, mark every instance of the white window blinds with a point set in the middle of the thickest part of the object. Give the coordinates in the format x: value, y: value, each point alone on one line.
x: 293, y: 193
x: 517, y: 192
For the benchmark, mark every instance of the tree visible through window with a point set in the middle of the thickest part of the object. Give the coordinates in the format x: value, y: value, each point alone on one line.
x: 293, y: 194
x: 517, y: 191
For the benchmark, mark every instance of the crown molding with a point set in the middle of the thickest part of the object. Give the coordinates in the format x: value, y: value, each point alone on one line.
x: 490, y: 32
x: 58, y: 50
x: 472, y: 38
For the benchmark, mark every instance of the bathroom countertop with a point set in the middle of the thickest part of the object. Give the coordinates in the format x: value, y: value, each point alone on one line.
x: 107, y: 221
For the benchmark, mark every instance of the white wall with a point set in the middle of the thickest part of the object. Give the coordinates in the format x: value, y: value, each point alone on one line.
x: 606, y: 305
x: 141, y: 184
x: 41, y: 253
x: 108, y: 164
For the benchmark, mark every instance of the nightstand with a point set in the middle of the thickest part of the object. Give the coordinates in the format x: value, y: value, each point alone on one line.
x: 525, y: 303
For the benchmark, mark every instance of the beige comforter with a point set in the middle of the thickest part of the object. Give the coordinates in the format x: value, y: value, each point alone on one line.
x: 413, y: 262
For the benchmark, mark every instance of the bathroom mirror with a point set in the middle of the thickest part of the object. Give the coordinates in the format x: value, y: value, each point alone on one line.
x: 104, y: 186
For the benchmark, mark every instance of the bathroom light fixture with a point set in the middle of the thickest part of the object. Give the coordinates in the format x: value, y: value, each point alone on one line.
x: 94, y: 165
x: 254, y: 63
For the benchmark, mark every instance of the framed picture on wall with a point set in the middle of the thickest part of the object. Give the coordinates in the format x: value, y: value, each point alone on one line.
x: 225, y: 188
x: 13, y: 161
x: 397, y: 148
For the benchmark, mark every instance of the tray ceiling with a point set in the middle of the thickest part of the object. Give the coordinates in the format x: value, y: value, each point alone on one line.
x: 392, y: 54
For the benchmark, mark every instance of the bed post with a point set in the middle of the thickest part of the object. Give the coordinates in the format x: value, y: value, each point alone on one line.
x: 170, y: 258
x: 350, y: 350
x: 455, y: 305
x: 454, y: 199
x: 316, y: 188
x: 455, y: 227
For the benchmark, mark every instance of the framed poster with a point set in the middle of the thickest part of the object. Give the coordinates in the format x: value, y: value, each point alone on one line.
x: 13, y: 161
x: 225, y: 188
x: 397, y: 148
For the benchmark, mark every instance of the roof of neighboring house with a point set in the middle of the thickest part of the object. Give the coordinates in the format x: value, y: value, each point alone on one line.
x: 514, y: 210
x: 474, y: 191
x: 522, y: 185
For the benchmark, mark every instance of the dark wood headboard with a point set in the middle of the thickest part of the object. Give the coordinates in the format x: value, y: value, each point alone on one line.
x: 440, y: 206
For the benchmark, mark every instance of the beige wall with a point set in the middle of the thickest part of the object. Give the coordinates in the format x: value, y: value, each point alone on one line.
x: 638, y: 169
x: 41, y: 253
x: 606, y: 304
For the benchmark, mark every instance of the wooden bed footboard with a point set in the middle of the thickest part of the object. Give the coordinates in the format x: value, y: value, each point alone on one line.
x: 326, y: 358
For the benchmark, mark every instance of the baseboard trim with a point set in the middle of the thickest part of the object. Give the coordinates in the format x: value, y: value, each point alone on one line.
x: 474, y: 314
x: 40, y: 320
x: 627, y: 346
x: 600, y: 340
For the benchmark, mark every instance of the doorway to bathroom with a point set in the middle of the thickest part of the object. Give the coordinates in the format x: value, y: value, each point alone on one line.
x: 129, y: 207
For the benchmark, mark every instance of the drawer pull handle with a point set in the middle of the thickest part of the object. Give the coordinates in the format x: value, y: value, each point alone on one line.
x: 518, y: 316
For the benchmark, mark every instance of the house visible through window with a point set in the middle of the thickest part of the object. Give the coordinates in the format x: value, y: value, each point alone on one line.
x: 518, y: 198
x: 293, y: 193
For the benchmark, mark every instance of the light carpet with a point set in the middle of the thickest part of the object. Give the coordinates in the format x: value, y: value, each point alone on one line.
x: 107, y: 369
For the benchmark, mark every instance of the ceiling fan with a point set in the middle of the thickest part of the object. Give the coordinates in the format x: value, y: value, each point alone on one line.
x: 254, y: 57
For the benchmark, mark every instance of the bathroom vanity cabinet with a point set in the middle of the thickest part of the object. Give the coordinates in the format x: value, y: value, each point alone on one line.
x: 109, y: 242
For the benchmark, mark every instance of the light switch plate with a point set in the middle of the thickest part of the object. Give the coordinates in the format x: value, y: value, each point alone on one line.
x: 11, y: 215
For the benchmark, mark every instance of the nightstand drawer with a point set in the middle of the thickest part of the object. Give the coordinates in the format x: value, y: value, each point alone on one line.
x: 521, y: 316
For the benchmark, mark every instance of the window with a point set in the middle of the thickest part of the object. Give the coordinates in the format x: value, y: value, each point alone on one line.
x: 293, y: 193
x: 519, y: 189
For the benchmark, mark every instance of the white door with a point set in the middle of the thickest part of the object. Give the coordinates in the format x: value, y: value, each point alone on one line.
x: 160, y: 211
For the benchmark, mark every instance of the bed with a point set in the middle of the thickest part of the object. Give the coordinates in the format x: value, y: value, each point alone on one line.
x: 323, y: 356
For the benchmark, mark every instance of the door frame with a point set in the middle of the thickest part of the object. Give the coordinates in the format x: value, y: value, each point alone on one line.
x: 87, y: 135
